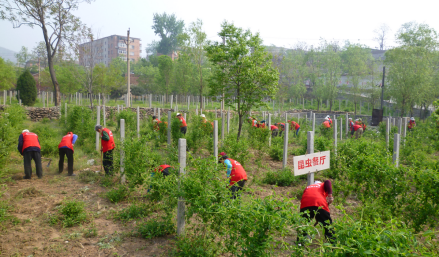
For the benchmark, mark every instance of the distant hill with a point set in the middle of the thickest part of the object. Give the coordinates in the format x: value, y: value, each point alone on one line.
x: 7, y: 54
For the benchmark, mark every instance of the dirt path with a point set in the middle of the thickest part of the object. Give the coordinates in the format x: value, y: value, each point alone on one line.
x: 36, y: 199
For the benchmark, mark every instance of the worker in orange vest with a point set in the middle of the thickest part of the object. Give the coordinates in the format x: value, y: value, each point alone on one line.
x: 165, y: 169
x: 274, y: 130
x: 358, y: 129
x: 107, y: 142
x: 326, y: 123
x: 261, y: 124
x: 183, y: 126
x: 235, y: 172
x: 281, y: 126
x: 330, y: 120
x: 314, y: 204
x: 65, y: 148
x: 412, y: 123
x: 29, y: 147
x: 294, y: 125
x: 156, y: 123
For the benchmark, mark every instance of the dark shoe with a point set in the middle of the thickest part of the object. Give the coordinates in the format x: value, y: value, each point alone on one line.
x: 71, y: 175
x: 26, y: 177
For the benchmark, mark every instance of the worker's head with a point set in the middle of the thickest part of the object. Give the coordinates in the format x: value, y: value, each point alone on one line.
x: 70, y: 133
x: 412, y: 118
x: 98, y: 128
x: 222, y: 156
x: 350, y: 119
x: 178, y: 114
x: 24, y: 131
x: 326, y: 118
x: 154, y: 117
x: 262, y: 121
x: 356, y: 119
x: 203, y: 116
x: 317, y: 182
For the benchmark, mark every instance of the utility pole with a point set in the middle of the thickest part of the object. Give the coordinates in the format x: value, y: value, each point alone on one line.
x: 382, y: 87
x: 127, y: 43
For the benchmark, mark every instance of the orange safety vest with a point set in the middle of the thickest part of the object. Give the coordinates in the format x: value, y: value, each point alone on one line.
x: 326, y: 124
x: 273, y: 127
x: 314, y: 195
x: 67, y: 141
x: 356, y: 127
x: 183, y: 122
x: 30, y: 140
x: 107, y: 145
x: 237, y: 173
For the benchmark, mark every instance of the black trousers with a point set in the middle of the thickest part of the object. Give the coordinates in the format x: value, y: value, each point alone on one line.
x: 36, y: 156
x: 107, y: 162
x: 62, y: 153
x: 183, y: 130
x: 323, y: 217
x: 274, y: 133
x: 235, y: 188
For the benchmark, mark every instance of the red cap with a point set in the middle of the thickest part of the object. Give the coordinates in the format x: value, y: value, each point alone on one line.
x: 222, y: 153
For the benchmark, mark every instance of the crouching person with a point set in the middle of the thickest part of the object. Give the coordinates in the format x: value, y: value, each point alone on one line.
x: 236, y: 174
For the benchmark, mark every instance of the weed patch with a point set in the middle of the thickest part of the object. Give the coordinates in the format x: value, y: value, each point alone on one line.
x: 118, y: 194
x: 154, y: 228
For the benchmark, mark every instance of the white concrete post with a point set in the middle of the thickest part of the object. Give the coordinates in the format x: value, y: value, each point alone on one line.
x: 215, y: 140
x: 399, y: 125
x: 172, y: 100
x: 285, y: 157
x: 396, y: 142
x: 347, y: 125
x: 182, y: 171
x: 188, y: 102
x: 228, y: 121
x: 138, y: 122
x: 341, y: 128
x: 158, y: 113
x: 150, y: 100
x: 387, y: 132
x: 222, y: 127
x: 169, y: 128
x: 122, y: 154
x: 335, y: 134
x: 269, y: 128
x: 184, y: 116
x: 314, y: 122
x: 118, y: 109
x: 310, y: 150
x: 98, y: 123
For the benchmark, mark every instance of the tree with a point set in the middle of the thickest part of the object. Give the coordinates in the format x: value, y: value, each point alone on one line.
x: 193, y: 42
x: 26, y: 85
x: 23, y: 57
x: 374, y: 81
x: 168, y: 28
x: 183, y: 74
x: 7, y: 74
x: 381, y: 35
x: 55, y: 18
x: 40, y: 53
x: 419, y: 35
x: 165, y: 73
x: 355, y: 59
x: 314, y: 74
x: 331, y: 64
x: 242, y: 70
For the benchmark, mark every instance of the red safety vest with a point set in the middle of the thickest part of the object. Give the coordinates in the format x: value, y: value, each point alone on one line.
x: 67, y: 141
x: 183, y: 122
x: 326, y: 124
x: 411, y: 124
x: 107, y: 145
x: 163, y: 167
x: 237, y: 173
x: 314, y: 195
x: 254, y: 123
x: 30, y: 140
x: 356, y: 127
x: 272, y: 127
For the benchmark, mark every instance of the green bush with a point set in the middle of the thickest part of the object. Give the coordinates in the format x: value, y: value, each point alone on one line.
x: 130, y: 121
x: 72, y: 213
x: 154, y: 228
x: 49, y: 138
x: 134, y: 211
x: 118, y: 194
x: 28, y: 90
x: 237, y: 150
x: 281, y: 178
x: 80, y: 121
x: 196, y: 246
x: 277, y: 149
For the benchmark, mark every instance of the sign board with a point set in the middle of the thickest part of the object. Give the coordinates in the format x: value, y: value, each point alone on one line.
x: 309, y: 163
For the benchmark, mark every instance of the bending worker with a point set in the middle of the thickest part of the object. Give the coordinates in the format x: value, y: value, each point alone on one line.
x: 412, y: 123
x: 29, y: 147
x: 107, y: 142
x: 183, y: 126
x: 156, y: 123
x: 315, y: 204
x: 326, y: 123
x: 65, y: 147
x: 294, y: 125
x: 235, y: 172
x: 274, y: 130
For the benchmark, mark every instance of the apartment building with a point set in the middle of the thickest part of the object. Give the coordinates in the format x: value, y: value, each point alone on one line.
x: 105, y: 49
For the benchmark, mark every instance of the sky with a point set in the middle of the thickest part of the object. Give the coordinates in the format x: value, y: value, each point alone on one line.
x: 280, y: 23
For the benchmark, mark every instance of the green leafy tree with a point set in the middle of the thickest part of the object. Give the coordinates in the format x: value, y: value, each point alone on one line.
x: 56, y: 20
x: 193, y: 42
x: 374, y: 81
x: 168, y: 28
x: 165, y: 73
x: 39, y: 52
x: 183, y: 74
x: 331, y: 64
x: 27, y: 86
x: 23, y: 56
x: 7, y: 74
x: 242, y: 70
x: 355, y: 59
x: 314, y: 74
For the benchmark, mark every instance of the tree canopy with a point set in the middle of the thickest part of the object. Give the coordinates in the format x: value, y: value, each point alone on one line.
x: 168, y: 28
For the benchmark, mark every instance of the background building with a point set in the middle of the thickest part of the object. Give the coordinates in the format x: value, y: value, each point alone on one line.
x: 105, y: 49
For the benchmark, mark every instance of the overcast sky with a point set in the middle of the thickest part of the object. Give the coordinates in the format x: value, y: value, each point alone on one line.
x: 282, y: 23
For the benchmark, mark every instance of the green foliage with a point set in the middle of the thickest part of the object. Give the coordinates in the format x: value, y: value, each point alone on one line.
x: 5, y: 209
x: 280, y: 178
x: 134, y: 211
x: 277, y: 149
x: 7, y: 74
x: 130, y: 121
x: 72, y: 213
x: 322, y: 144
x: 81, y: 122
x: 156, y: 228
x: 237, y: 150
x: 258, y: 137
x: 49, y: 138
x: 28, y: 90
x: 167, y: 27
x: 196, y: 246
x: 118, y: 194
x: 198, y: 134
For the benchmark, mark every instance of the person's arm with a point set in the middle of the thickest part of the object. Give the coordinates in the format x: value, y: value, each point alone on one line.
x: 20, y: 144
x: 75, y: 137
x: 105, y: 136
x: 228, y: 166
x: 328, y: 189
